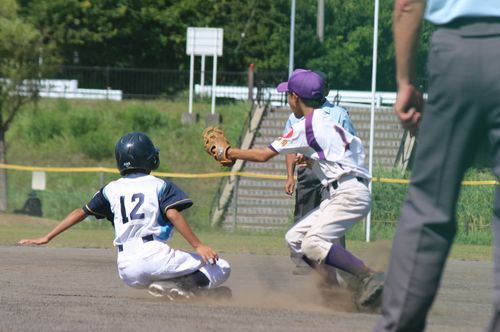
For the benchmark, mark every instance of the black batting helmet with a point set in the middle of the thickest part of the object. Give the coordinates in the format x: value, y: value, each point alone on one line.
x: 135, y: 151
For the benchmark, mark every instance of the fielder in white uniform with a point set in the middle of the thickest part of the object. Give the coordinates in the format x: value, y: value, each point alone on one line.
x: 312, y: 196
x: 338, y: 161
x: 144, y: 211
x: 309, y: 192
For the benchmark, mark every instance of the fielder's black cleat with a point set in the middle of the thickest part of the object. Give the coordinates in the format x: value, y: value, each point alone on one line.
x: 372, y: 287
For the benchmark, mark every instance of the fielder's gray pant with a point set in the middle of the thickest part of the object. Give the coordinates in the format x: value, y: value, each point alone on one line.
x: 463, y: 104
x: 308, y: 194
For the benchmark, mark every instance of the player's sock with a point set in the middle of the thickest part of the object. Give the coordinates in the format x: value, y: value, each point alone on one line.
x: 193, y: 280
x: 344, y: 260
x: 200, y: 279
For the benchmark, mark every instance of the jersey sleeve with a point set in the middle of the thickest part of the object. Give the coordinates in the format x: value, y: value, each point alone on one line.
x: 293, y: 141
x: 99, y: 207
x: 172, y: 197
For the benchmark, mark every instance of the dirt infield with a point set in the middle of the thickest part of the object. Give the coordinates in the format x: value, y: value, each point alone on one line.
x: 54, y: 289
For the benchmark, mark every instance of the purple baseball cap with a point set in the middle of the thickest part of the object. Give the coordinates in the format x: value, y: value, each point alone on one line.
x: 304, y: 83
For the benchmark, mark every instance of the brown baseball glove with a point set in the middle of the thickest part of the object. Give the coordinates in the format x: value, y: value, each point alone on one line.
x: 217, y: 145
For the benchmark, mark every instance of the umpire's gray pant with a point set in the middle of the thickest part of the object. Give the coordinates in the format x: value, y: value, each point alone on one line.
x: 463, y: 104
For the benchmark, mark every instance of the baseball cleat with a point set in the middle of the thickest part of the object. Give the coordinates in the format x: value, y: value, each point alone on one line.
x: 373, y: 285
x: 169, y: 290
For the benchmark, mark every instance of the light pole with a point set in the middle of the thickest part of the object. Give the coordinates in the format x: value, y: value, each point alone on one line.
x: 320, y: 21
x: 292, y: 39
x: 372, y: 113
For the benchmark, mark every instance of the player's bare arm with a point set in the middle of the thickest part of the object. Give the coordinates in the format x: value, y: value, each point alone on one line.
x: 182, y: 226
x: 258, y: 155
x: 406, y: 28
x: 303, y: 161
x: 290, y: 171
x: 71, y: 219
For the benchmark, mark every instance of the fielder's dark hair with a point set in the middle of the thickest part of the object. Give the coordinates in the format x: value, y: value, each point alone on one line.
x: 314, y: 103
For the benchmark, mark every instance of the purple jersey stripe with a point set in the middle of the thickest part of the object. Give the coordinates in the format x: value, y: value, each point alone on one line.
x: 342, y: 135
x: 311, y: 140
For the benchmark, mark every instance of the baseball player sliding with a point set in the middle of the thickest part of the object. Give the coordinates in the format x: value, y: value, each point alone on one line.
x: 338, y: 161
x: 144, y: 211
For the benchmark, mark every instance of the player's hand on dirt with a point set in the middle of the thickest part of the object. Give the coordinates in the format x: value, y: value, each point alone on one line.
x: 303, y: 161
x: 207, y: 254
x: 289, y: 186
x: 37, y: 241
x: 408, y: 107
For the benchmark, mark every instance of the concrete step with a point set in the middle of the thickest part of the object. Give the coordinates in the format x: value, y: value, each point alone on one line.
x: 271, y: 166
x: 263, y: 211
x: 254, y: 220
x: 254, y: 196
x: 255, y: 228
x: 256, y: 192
x: 278, y: 113
x: 286, y: 201
x: 247, y: 182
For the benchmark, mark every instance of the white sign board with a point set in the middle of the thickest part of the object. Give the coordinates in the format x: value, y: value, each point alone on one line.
x: 38, y: 180
x: 204, y: 41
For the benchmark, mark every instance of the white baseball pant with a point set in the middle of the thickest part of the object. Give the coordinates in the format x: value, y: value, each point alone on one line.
x: 314, y: 235
x: 140, y: 264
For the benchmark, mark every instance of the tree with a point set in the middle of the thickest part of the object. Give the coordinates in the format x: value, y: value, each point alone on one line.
x: 21, y: 54
x: 152, y: 34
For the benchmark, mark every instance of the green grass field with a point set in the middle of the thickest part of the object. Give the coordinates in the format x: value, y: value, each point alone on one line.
x: 65, y: 133
x: 91, y: 234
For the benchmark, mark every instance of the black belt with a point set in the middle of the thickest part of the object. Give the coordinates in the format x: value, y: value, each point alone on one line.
x: 461, y: 21
x: 335, y: 184
x: 145, y: 239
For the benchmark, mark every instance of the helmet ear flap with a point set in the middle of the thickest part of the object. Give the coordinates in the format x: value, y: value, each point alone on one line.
x: 155, y: 159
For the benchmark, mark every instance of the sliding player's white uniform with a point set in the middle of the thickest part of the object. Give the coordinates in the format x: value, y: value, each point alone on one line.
x: 136, y: 205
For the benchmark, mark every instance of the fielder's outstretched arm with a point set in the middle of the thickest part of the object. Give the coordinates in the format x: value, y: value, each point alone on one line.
x: 71, y: 219
x: 258, y: 155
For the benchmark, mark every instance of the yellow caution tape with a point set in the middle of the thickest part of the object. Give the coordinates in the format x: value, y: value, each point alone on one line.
x: 198, y: 175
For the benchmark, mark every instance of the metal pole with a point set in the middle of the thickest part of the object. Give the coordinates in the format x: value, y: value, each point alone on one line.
x: 202, y: 78
x: 372, y: 113
x: 292, y: 39
x: 320, y: 20
x: 250, y: 82
x: 107, y: 82
x: 191, y: 82
x: 235, y: 202
x: 214, y: 79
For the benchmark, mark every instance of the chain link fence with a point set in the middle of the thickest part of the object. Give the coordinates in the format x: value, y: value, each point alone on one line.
x: 151, y: 83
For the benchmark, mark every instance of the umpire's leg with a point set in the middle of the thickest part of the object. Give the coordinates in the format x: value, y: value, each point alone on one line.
x: 493, y: 110
x: 445, y: 148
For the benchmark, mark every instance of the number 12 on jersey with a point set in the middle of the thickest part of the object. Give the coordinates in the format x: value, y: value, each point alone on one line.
x: 138, y: 199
